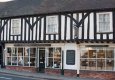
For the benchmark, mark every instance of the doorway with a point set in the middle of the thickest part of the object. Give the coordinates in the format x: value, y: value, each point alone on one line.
x: 42, y: 60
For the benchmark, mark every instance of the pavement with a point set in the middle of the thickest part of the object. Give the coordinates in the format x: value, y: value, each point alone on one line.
x: 42, y: 75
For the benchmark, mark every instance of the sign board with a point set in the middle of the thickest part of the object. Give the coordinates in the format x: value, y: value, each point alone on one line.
x: 70, y: 57
x: 31, y: 44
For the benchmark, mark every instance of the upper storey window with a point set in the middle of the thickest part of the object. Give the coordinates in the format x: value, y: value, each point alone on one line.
x: 104, y: 22
x: 52, y: 25
x: 15, y: 26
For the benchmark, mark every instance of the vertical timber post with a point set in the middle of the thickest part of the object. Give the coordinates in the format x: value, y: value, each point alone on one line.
x: 62, y: 70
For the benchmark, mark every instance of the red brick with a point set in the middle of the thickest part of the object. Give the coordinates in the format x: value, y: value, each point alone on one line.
x: 20, y: 68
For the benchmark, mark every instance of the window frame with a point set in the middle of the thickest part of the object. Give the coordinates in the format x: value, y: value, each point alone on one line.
x: 110, y: 25
x: 53, y: 58
x: 96, y: 58
x: 48, y: 22
x: 18, y: 26
x: 22, y: 56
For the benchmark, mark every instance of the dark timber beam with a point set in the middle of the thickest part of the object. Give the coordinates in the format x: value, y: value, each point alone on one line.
x: 32, y: 25
x: 114, y: 26
x: 82, y: 20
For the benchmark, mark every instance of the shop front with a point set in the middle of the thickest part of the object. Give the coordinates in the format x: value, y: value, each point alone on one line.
x: 97, y: 61
x: 32, y: 58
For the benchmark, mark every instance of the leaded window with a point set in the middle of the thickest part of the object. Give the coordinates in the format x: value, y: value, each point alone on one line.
x: 104, y: 22
x: 52, y: 25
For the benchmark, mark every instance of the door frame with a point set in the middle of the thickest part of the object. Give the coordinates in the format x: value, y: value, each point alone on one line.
x: 38, y: 59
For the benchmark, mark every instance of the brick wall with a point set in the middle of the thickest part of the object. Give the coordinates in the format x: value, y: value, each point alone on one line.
x: 52, y: 71
x: 104, y: 75
x: 70, y: 73
x: 20, y: 68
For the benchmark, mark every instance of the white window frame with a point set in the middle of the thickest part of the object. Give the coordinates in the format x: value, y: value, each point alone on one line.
x: 96, y: 58
x: 17, y: 56
x: 15, y: 25
x: 48, y: 23
x: 111, y: 22
x: 48, y: 57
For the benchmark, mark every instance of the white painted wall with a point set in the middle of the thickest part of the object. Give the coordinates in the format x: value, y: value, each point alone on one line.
x: 71, y: 46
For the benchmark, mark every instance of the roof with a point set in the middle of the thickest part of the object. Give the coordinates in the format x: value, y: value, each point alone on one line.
x: 31, y: 7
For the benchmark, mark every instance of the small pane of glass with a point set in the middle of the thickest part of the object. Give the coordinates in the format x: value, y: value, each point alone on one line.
x: 14, y: 60
x: 84, y: 64
x: 92, y: 64
x: 20, y: 61
x: 26, y: 51
x: 57, y: 62
x: 9, y: 51
x: 32, y: 62
x: 14, y: 51
x: 109, y: 53
x: 20, y: 51
x: 32, y: 52
x: 100, y: 53
x: 92, y: 53
x: 50, y: 62
x: 109, y: 64
x: 26, y: 61
x: 84, y: 54
x: 101, y: 64
x: 8, y: 60
x: 51, y: 52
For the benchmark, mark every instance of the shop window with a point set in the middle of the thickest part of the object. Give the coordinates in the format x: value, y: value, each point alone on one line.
x: 32, y: 56
x: 21, y: 56
x: 99, y: 58
x: 54, y: 58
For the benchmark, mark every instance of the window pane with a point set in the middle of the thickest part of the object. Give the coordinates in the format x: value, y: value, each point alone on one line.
x: 92, y: 64
x: 92, y: 53
x: 51, y: 52
x: 101, y: 64
x: 9, y: 51
x: 32, y: 62
x: 26, y: 61
x: 20, y: 61
x: 32, y: 52
x: 8, y: 60
x: 14, y: 51
x: 26, y: 51
x: 110, y: 64
x: 20, y: 51
x: 84, y: 54
x: 84, y: 64
x: 49, y: 62
x: 57, y: 62
x: 14, y: 60
x: 109, y: 53
x: 100, y: 53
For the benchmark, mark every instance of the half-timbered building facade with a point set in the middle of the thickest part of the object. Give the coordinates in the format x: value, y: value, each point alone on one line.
x: 64, y: 37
